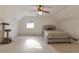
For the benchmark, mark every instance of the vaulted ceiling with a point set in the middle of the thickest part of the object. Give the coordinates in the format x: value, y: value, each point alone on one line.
x: 70, y: 13
x: 59, y: 12
x: 18, y: 11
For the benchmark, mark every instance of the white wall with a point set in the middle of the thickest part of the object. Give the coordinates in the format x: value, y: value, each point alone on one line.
x: 39, y: 21
x: 68, y: 20
x: 71, y: 27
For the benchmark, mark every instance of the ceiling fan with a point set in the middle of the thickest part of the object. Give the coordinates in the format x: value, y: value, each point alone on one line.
x: 41, y: 10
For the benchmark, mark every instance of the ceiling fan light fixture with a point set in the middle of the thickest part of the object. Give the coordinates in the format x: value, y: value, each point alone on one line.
x: 41, y: 8
x: 40, y: 13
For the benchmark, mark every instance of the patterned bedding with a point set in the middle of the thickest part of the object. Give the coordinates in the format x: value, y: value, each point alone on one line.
x: 55, y: 34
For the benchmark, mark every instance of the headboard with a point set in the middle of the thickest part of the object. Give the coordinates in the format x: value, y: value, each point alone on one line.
x: 49, y: 27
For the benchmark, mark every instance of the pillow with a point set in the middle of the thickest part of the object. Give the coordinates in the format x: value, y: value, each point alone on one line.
x: 49, y: 29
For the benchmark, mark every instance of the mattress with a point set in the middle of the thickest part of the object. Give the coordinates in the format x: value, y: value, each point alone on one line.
x: 55, y: 34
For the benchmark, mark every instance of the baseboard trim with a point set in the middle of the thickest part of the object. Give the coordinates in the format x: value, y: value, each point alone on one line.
x: 73, y: 38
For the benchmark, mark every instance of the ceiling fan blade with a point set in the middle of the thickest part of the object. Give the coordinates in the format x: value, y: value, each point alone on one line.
x: 46, y: 11
x: 33, y: 10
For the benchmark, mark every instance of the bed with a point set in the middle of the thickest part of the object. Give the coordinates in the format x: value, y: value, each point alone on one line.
x: 52, y: 35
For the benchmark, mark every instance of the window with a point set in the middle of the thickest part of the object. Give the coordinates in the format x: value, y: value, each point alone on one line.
x: 30, y: 25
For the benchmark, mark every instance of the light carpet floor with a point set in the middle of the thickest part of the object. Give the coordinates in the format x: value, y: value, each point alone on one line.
x: 36, y: 44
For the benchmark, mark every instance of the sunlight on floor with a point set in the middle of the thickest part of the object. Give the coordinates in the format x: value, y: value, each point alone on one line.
x: 30, y: 43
